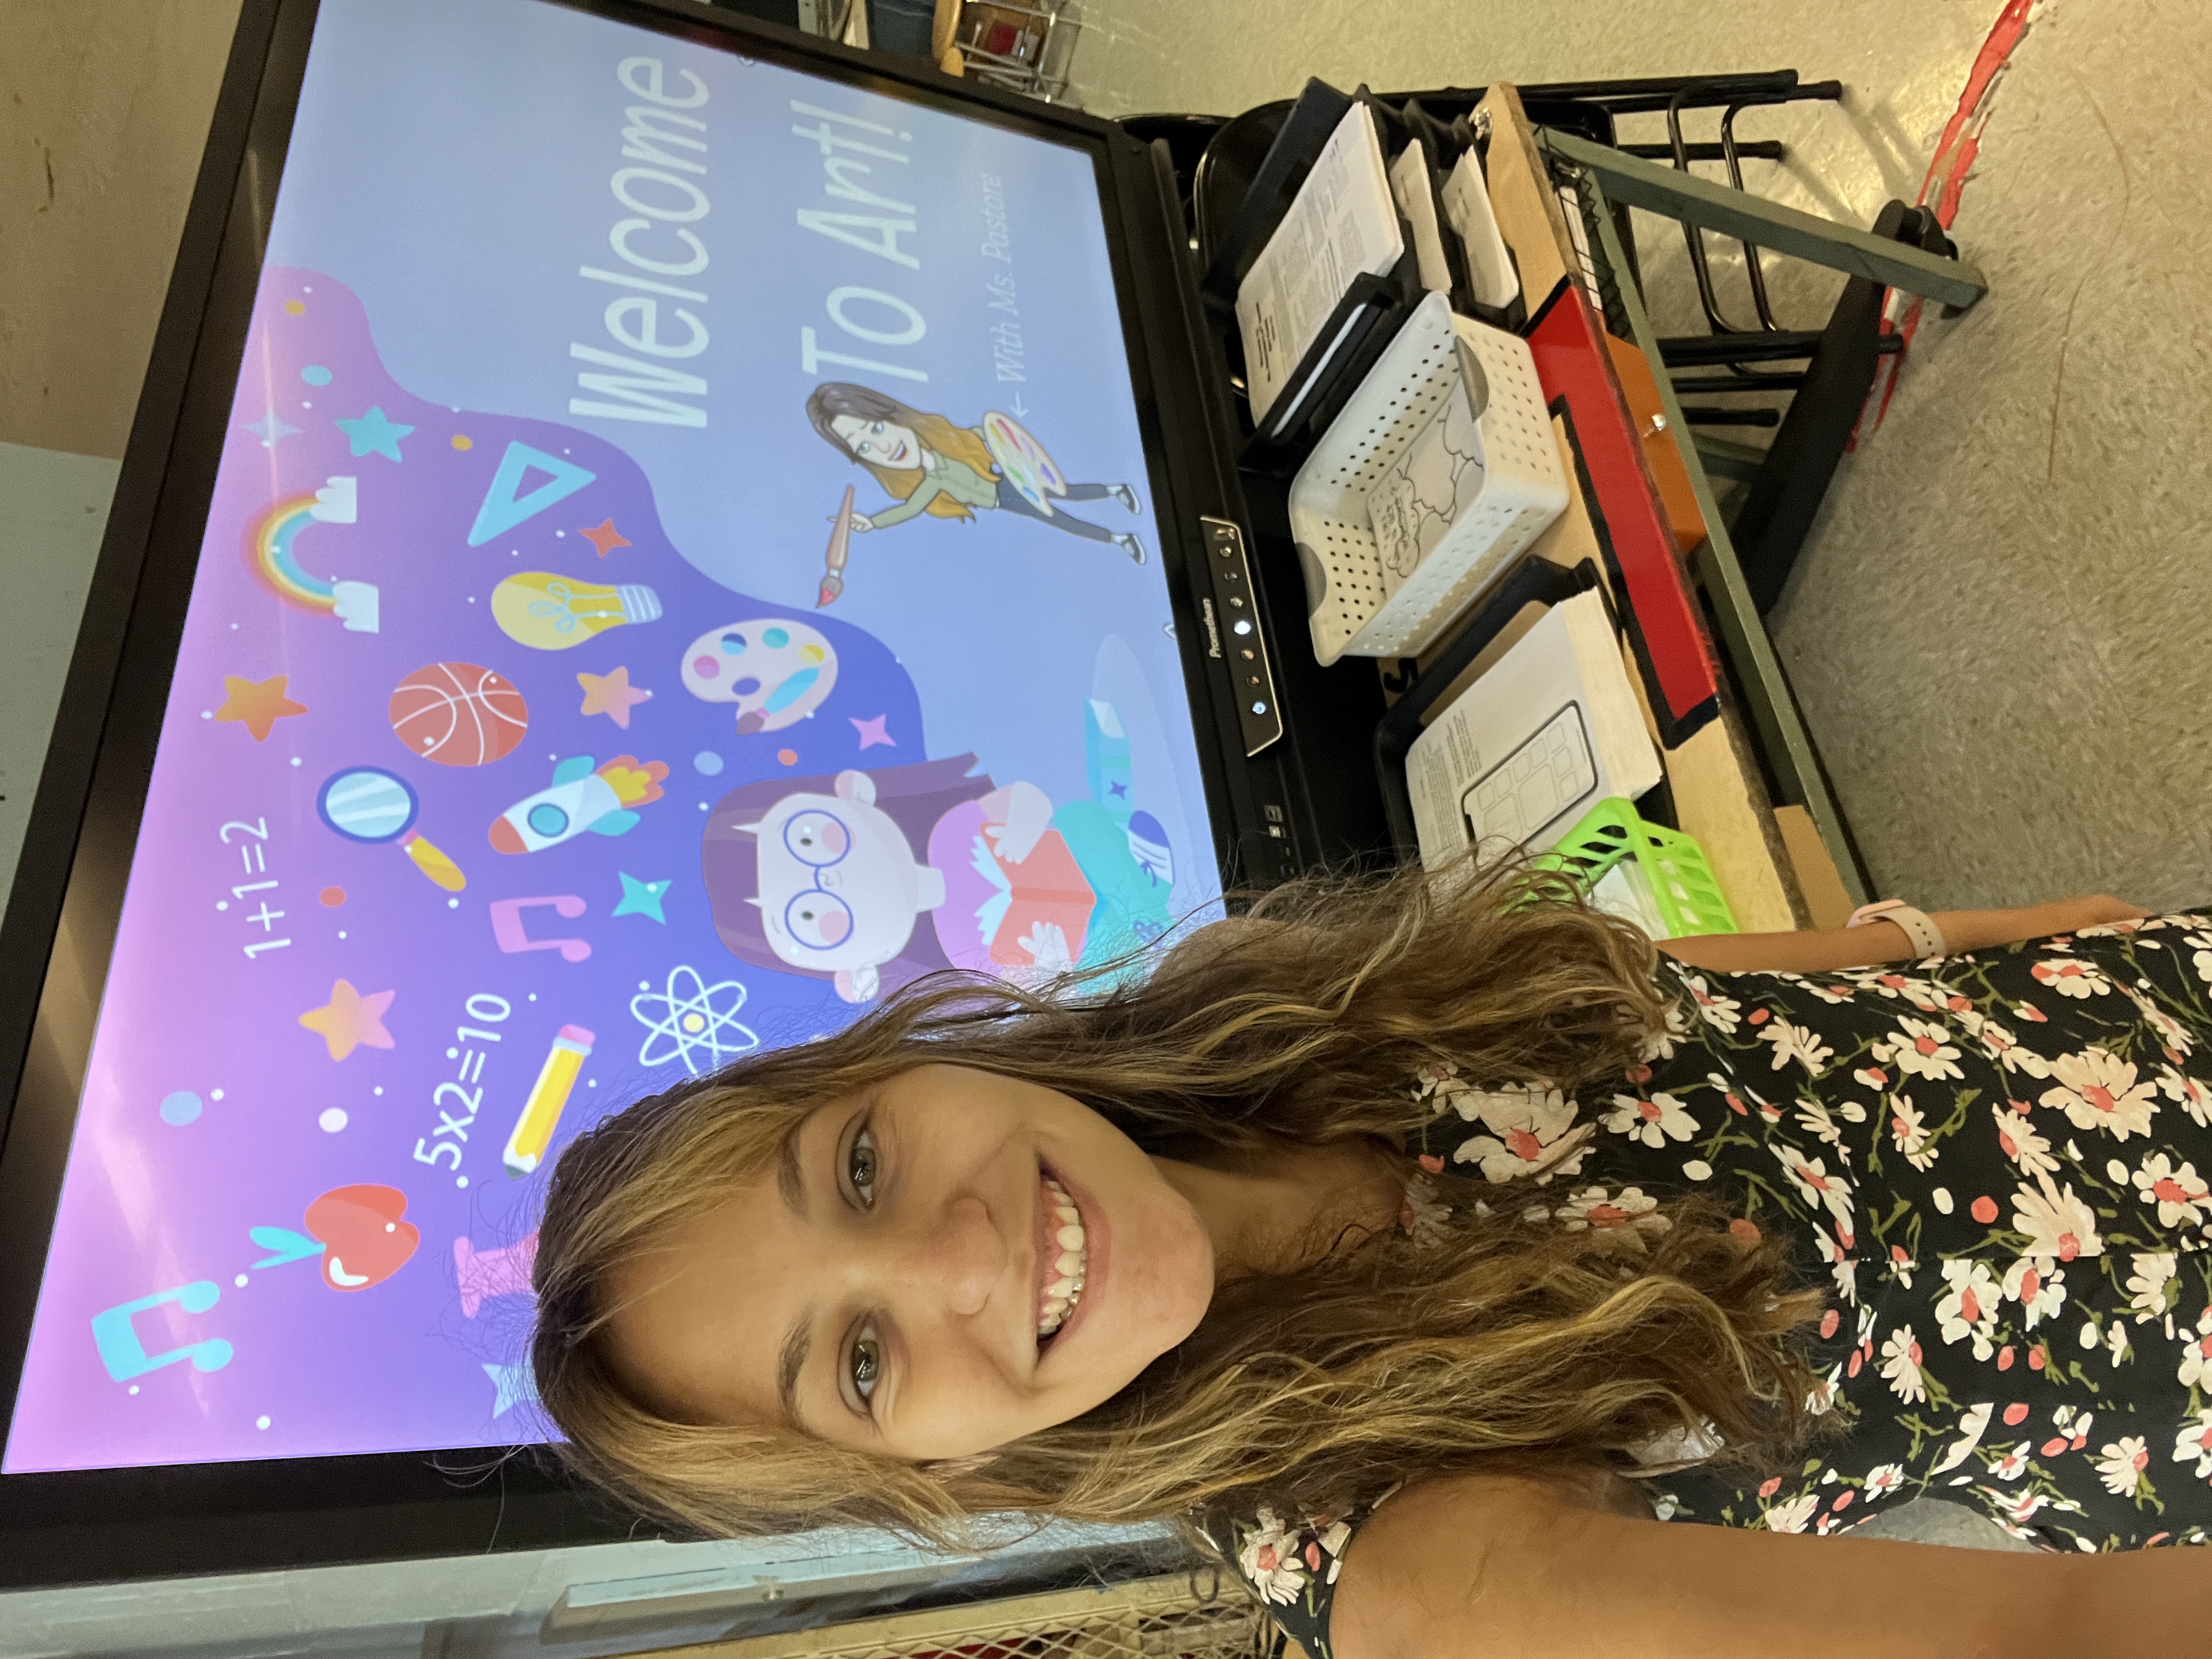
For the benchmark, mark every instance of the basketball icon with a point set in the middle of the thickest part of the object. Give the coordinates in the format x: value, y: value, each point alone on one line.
x: 459, y: 714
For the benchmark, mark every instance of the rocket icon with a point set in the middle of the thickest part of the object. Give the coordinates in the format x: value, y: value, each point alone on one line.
x: 580, y: 798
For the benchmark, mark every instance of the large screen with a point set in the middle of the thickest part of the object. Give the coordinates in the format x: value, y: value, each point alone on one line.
x: 682, y: 567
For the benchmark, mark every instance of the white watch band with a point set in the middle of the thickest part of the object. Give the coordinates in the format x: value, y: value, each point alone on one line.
x: 1925, y: 937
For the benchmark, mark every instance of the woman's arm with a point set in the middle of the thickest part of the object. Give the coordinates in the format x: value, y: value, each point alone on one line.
x: 1483, y: 1567
x: 924, y: 493
x: 1827, y: 950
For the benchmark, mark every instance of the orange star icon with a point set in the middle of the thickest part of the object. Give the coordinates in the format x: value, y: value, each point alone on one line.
x: 259, y: 704
x: 606, y: 537
x: 611, y: 694
x: 349, y: 1020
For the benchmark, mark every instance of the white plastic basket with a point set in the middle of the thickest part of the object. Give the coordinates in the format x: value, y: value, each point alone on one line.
x: 1503, y: 489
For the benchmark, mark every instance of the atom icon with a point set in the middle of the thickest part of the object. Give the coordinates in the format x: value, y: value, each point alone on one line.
x: 690, y: 1016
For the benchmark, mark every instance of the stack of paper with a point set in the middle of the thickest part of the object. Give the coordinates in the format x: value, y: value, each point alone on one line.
x: 1342, y: 225
x: 1490, y: 270
x: 1551, y: 729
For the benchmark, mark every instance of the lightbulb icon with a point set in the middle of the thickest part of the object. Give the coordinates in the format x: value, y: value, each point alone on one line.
x: 548, y: 613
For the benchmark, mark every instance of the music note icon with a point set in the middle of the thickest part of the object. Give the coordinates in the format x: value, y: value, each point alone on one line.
x: 125, y: 1354
x: 506, y: 926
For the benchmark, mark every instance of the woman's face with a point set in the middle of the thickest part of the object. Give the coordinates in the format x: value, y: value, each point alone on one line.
x: 884, y: 1286
x: 879, y: 442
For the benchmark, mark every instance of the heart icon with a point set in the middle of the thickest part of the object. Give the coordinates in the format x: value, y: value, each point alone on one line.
x: 364, y: 1240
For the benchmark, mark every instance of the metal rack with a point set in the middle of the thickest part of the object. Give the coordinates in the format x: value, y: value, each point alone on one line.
x: 1024, y: 47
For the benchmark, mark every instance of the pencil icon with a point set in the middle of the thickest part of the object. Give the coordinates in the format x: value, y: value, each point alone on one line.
x: 541, y: 1113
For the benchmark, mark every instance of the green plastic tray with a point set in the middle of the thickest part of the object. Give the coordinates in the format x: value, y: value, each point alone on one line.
x: 1680, y: 881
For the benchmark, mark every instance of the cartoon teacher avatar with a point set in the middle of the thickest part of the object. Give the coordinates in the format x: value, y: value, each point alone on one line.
x: 934, y: 466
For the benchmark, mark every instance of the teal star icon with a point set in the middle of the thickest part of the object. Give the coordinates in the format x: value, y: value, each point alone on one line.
x: 642, y: 898
x: 375, y: 435
x: 512, y: 1385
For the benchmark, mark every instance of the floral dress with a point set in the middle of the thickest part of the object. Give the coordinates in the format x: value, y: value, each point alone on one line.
x: 1999, y: 1160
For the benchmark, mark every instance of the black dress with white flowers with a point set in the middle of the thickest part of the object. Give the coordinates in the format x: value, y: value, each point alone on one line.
x: 1999, y: 1157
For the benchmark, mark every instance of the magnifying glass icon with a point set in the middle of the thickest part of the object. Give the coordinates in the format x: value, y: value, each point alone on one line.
x: 370, y: 805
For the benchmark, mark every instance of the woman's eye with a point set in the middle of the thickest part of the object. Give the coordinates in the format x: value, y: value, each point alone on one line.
x: 860, y: 1166
x: 866, y: 1362
x: 877, y: 427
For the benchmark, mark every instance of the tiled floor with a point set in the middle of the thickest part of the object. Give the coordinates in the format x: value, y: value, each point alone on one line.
x: 1997, y: 630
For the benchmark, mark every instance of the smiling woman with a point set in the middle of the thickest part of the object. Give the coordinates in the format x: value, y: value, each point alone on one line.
x: 1245, y: 1245
x: 886, y: 1283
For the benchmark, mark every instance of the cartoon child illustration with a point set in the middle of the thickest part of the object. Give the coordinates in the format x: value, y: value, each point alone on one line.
x: 828, y: 876
x: 818, y: 876
x: 934, y: 466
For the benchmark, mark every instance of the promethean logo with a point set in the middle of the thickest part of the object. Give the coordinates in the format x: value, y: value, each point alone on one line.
x: 1213, y: 629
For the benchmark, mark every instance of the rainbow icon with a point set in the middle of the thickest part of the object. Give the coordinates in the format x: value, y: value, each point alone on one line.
x: 268, y: 554
x: 541, y: 1113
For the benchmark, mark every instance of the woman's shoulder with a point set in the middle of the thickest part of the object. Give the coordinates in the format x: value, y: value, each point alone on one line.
x: 1294, y: 1564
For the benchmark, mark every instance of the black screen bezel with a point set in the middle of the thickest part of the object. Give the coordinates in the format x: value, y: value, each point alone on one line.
x: 85, y: 1526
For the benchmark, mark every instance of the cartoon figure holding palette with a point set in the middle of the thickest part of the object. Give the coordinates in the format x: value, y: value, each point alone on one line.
x: 931, y: 465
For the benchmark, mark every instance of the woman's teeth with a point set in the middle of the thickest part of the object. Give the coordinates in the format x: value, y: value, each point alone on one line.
x: 1064, y: 1283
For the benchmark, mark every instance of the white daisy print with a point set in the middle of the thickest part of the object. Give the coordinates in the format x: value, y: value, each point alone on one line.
x: 2121, y: 1464
x: 2171, y: 1033
x: 1884, y: 1478
x: 2147, y: 1284
x: 1509, y: 1104
x: 1810, y: 1176
x: 1971, y: 1425
x: 1331, y: 1536
x: 1722, y: 1013
x: 1843, y: 1268
x: 2195, y: 1366
x: 2012, y: 1465
x: 1269, y: 1559
x: 2194, y: 1444
x: 2097, y: 1090
x: 2070, y: 978
x: 1421, y: 1215
x: 2019, y: 1141
x: 1534, y: 1132
x: 1660, y: 1045
x: 1969, y: 1307
x: 1900, y: 1365
x: 1920, y: 1050
x: 2180, y: 1195
x: 1797, y: 1042
x: 1816, y: 1119
x: 2019, y: 1507
x: 1653, y: 1123
x: 2193, y: 1096
x: 2056, y: 1224
x: 1910, y: 1132
x: 1632, y: 1209
x: 2038, y: 1285
x: 1793, y: 1516
x: 2005, y: 1049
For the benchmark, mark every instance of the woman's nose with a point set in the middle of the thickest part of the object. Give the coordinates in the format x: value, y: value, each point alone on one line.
x: 955, y: 1260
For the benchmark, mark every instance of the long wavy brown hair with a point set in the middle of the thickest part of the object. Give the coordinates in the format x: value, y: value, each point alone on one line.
x: 834, y: 397
x: 1507, y: 1345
